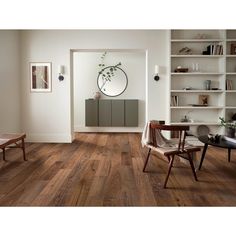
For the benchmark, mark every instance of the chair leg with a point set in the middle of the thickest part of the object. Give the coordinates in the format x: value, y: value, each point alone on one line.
x: 3, y: 154
x: 192, y: 166
x: 169, y: 169
x: 148, y: 155
x: 23, y: 148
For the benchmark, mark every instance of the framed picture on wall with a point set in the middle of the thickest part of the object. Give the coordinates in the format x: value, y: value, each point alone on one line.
x: 233, y: 49
x: 203, y: 100
x: 40, y: 77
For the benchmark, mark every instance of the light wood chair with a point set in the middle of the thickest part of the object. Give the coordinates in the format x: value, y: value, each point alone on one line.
x: 182, y: 150
x: 6, y: 141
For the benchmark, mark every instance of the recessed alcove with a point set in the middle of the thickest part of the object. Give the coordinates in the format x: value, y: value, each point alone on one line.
x: 85, y: 74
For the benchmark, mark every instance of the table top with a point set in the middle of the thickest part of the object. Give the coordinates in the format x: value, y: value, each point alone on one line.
x: 222, y: 142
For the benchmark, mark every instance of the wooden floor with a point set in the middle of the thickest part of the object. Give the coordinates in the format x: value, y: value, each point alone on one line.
x: 106, y: 170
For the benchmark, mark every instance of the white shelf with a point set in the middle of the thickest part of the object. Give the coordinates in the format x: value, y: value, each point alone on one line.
x: 195, y: 123
x: 196, y: 40
x: 196, y: 73
x: 198, y: 91
x: 216, y: 68
x: 197, y: 107
x: 197, y: 56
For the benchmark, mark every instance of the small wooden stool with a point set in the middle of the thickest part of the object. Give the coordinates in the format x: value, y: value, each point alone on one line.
x: 8, y: 139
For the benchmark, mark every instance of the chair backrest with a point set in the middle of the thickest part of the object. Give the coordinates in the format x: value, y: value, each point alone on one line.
x: 181, y: 128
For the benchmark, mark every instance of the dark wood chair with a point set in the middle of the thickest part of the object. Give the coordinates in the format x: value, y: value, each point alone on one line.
x: 181, y: 149
x: 6, y: 141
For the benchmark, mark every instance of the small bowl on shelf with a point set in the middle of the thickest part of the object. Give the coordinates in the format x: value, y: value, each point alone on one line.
x: 181, y: 70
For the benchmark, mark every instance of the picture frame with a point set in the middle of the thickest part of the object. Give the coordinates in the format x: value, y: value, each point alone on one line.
x: 40, y: 77
x: 203, y: 100
x: 233, y: 49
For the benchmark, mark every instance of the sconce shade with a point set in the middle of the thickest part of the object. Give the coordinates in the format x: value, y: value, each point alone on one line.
x: 61, y: 69
x: 157, y: 69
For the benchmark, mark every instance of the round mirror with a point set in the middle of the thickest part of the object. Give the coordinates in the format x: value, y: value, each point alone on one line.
x: 112, y: 81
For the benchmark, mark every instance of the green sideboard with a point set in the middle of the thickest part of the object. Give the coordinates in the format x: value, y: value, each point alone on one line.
x: 111, y: 112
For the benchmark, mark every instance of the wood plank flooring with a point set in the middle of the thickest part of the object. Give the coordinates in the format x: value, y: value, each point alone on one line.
x: 105, y: 169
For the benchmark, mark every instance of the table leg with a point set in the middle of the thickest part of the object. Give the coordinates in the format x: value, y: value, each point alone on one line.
x: 203, y: 155
x: 229, y: 151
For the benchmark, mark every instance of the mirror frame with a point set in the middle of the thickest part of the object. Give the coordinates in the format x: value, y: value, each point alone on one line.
x: 126, y: 77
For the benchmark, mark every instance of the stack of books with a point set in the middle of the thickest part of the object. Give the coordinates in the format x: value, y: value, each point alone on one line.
x: 229, y: 84
x: 214, y: 49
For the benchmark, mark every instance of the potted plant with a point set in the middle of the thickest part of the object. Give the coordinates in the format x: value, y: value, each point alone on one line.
x: 230, y: 127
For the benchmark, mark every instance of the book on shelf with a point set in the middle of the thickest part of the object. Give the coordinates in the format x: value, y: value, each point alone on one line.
x: 229, y: 84
x: 214, y: 49
x: 174, y: 101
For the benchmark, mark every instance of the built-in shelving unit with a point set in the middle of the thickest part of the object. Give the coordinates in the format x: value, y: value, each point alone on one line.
x: 187, y: 88
x: 230, y: 75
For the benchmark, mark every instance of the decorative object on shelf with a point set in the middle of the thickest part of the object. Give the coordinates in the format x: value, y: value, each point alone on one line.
x: 203, y: 130
x: 97, y: 95
x: 195, y: 67
x: 40, y: 77
x: 157, y: 70
x: 229, y: 126
x: 185, y: 51
x: 179, y: 69
x: 233, y: 49
x: 207, y: 84
x: 203, y: 99
x: 188, y: 88
x: 186, y: 118
x: 61, y: 72
x: 201, y: 36
x: 174, y: 101
x: 112, y: 81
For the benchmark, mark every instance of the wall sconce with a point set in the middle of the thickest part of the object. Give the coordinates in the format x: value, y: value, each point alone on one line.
x: 61, y: 72
x: 156, y: 76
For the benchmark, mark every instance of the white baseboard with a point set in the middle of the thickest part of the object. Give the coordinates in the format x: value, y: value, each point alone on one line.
x: 109, y: 129
x: 68, y: 138
x: 49, y: 138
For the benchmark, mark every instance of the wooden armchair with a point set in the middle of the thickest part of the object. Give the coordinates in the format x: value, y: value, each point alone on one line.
x: 182, y: 150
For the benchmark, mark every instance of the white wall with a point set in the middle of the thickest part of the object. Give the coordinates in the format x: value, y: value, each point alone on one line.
x: 9, y: 82
x: 85, y: 84
x: 47, y: 117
